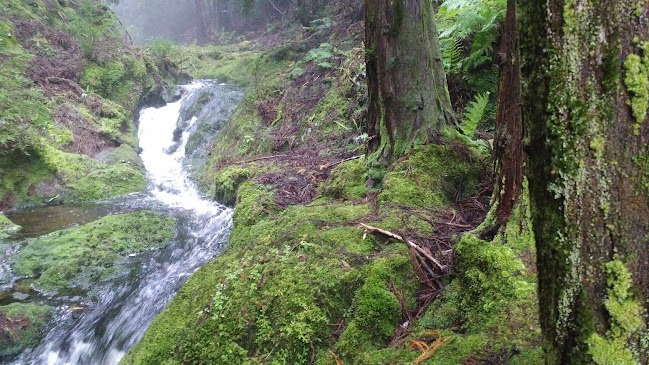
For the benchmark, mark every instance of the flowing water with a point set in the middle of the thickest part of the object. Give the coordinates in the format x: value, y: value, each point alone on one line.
x: 118, y: 313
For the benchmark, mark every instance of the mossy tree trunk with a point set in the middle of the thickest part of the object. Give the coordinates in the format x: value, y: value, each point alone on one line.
x: 408, y: 95
x: 585, y: 70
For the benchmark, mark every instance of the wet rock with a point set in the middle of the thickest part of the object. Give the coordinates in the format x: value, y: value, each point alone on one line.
x: 21, y: 297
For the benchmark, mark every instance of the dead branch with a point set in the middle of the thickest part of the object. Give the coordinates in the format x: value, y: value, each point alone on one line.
x: 342, y: 161
x: 407, y: 242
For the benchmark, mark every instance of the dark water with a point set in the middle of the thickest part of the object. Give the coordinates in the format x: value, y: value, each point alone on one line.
x: 99, y: 327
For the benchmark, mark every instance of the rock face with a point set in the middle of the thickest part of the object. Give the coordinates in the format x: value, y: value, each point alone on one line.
x: 21, y: 326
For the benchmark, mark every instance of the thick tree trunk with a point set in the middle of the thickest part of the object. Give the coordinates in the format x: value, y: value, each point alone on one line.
x: 585, y: 90
x: 408, y: 95
x: 508, y: 142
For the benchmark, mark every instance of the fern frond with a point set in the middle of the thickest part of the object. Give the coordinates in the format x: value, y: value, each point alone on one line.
x: 473, y: 113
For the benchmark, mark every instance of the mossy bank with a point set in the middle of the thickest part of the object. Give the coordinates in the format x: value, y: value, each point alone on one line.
x: 70, y: 87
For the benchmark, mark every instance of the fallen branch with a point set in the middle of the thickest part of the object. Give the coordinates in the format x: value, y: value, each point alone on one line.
x: 341, y: 161
x: 258, y: 159
x: 407, y: 242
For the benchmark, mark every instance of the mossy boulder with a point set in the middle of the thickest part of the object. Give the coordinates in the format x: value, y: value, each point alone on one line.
x: 82, y: 256
x: 347, y: 181
x: 106, y: 182
x: 21, y: 326
x: 432, y: 176
x: 7, y: 227
x: 125, y: 154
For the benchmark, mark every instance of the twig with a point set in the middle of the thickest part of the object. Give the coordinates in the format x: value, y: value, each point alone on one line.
x: 341, y: 161
x: 258, y: 159
x: 407, y: 242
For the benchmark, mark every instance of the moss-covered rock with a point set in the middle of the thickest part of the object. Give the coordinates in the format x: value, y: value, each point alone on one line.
x: 125, y: 154
x: 106, y: 182
x: 347, y: 181
x: 272, y: 297
x: 432, y: 176
x: 21, y: 326
x: 81, y: 256
x: 7, y: 227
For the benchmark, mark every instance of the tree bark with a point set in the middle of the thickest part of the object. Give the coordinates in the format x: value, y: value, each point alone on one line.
x: 585, y: 91
x: 508, y: 141
x: 408, y: 95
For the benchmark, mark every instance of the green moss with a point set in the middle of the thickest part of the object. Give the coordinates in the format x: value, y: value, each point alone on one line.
x: 227, y: 181
x: 491, y: 303
x: 431, y: 177
x: 7, y: 227
x: 125, y: 154
x: 396, y: 220
x: 254, y: 202
x: 80, y: 256
x: 21, y: 326
x: 106, y: 182
x: 347, y: 181
x: 625, y: 319
x: 637, y: 81
x: 375, y: 312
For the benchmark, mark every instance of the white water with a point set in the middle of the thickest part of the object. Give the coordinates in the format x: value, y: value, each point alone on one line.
x: 123, y: 310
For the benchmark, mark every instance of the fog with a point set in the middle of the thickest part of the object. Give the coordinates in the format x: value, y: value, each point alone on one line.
x: 147, y: 20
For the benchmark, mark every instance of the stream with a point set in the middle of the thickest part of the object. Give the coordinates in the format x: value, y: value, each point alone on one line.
x: 118, y: 313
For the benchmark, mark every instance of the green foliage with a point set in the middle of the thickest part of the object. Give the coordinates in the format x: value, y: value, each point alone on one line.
x: 271, y: 297
x: 80, y: 256
x: 106, y: 182
x: 160, y: 48
x: 321, y: 56
x: 469, y: 21
x: 34, y: 166
x: 491, y: 303
x: 474, y: 113
x: 21, y: 325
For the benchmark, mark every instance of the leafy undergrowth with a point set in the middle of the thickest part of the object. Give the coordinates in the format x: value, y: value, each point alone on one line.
x: 69, y: 88
x: 82, y: 256
x: 21, y: 326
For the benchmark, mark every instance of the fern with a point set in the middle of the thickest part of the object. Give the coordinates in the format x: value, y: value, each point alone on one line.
x: 473, y: 114
x: 471, y: 22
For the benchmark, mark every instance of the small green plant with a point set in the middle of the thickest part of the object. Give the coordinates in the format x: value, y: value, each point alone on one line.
x: 160, y: 48
x: 321, y: 56
x: 473, y: 114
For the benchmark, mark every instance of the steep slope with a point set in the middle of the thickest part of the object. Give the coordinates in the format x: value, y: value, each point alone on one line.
x: 70, y: 84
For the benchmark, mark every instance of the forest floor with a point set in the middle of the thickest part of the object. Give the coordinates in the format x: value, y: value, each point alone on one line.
x: 333, y: 259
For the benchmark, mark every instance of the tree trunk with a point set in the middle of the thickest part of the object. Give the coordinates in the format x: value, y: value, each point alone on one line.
x: 408, y: 95
x: 585, y: 90
x: 201, y: 30
x: 508, y: 141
